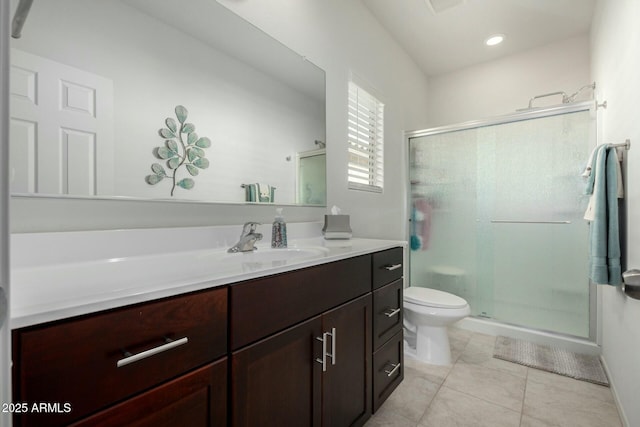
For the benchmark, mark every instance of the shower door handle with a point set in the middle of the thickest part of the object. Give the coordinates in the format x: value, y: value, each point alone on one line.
x: 515, y: 221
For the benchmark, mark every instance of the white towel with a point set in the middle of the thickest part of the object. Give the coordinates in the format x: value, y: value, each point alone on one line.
x: 587, y: 169
x: 619, y: 174
x: 590, y: 212
x: 264, y: 190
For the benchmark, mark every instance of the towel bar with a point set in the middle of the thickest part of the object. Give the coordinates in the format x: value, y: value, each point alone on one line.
x: 509, y: 221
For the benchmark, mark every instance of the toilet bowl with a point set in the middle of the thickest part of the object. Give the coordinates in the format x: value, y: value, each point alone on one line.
x: 427, y: 313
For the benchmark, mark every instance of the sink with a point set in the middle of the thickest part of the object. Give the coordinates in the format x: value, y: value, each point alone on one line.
x: 278, y: 256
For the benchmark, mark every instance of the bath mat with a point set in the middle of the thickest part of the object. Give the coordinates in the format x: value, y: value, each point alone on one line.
x: 563, y: 362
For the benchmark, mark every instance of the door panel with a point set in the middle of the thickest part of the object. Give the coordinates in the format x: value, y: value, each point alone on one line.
x: 276, y: 382
x: 346, y: 385
x: 61, y: 132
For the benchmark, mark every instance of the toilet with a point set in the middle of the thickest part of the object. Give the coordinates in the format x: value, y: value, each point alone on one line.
x: 427, y: 313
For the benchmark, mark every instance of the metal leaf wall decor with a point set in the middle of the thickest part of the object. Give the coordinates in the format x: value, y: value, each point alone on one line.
x: 182, y: 147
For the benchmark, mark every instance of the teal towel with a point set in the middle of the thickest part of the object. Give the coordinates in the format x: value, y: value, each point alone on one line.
x: 604, y: 239
x: 250, y: 192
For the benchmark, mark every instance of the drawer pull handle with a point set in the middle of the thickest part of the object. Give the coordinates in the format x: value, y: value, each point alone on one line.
x: 395, y: 367
x: 332, y: 355
x: 168, y: 345
x: 392, y: 267
x: 325, y: 353
x: 391, y: 312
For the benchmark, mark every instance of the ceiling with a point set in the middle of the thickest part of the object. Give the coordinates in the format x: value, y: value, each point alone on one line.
x: 446, y: 35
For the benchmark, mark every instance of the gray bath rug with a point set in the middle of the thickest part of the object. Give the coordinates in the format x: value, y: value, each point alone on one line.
x: 579, y: 366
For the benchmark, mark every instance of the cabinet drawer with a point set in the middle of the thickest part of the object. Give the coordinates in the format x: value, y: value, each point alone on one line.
x: 387, y: 312
x: 196, y: 399
x: 76, y: 361
x: 387, y: 266
x: 264, y: 306
x: 388, y: 369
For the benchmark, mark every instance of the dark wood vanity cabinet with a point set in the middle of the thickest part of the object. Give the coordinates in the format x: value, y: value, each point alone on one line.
x: 309, y: 347
x: 93, y: 362
x: 311, y: 363
x: 317, y: 373
x: 388, y: 344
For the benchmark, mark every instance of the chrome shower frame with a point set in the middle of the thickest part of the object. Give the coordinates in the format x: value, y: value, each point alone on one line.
x: 592, y: 343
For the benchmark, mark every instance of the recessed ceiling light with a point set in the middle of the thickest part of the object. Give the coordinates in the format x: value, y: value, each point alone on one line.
x: 494, y: 39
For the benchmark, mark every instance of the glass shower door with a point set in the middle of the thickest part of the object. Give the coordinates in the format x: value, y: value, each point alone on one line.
x: 507, y: 233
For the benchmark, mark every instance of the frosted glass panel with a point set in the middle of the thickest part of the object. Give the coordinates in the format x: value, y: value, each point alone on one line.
x: 312, y: 183
x: 504, y: 208
x: 443, y: 182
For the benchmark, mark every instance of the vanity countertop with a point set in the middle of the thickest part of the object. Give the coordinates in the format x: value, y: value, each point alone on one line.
x: 53, y: 291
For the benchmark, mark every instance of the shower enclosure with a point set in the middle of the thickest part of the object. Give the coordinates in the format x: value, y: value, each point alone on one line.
x: 496, y: 213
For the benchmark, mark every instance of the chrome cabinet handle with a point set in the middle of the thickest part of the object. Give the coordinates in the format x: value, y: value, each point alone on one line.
x: 392, y: 267
x: 333, y: 345
x: 168, y: 345
x: 325, y: 353
x: 395, y: 367
x: 391, y: 312
x: 323, y: 360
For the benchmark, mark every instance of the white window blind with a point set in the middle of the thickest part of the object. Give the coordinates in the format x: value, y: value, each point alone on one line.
x: 366, y: 138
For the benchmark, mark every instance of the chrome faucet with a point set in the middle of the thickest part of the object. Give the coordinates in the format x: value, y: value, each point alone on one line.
x: 248, y: 238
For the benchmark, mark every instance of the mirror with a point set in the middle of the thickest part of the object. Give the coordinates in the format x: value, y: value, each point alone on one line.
x: 144, y: 98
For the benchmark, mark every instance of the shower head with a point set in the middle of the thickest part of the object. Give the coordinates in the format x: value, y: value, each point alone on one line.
x: 566, y: 99
x: 572, y: 98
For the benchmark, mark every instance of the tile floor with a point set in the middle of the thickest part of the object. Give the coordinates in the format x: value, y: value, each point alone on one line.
x: 478, y: 391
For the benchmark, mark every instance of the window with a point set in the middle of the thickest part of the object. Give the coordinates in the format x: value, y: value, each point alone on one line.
x: 366, y: 134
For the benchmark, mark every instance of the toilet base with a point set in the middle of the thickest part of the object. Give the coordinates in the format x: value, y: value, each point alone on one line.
x: 432, y: 345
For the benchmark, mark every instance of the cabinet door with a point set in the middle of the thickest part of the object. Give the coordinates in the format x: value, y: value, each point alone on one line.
x: 276, y: 382
x: 196, y: 399
x: 346, y: 385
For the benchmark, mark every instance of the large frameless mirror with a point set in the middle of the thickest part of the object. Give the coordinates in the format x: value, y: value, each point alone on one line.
x: 159, y: 99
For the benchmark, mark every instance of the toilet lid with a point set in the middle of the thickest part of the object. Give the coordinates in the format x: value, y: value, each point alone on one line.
x: 432, y: 298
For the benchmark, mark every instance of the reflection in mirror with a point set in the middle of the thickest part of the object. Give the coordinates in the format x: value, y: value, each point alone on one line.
x: 95, y: 85
x: 312, y: 185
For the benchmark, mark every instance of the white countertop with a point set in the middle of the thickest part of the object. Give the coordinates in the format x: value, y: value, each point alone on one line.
x: 48, y: 291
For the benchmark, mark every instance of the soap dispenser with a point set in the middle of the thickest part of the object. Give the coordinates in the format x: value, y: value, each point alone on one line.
x: 279, y: 231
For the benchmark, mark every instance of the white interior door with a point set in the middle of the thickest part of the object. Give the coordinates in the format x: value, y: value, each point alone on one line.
x: 61, y: 134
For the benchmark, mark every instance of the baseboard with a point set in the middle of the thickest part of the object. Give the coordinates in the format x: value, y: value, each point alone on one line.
x: 623, y: 416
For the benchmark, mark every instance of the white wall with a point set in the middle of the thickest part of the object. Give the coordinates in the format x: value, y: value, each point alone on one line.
x: 5, y: 331
x: 615, y: 39
x: 505, y: 85
x: 340, y: 37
